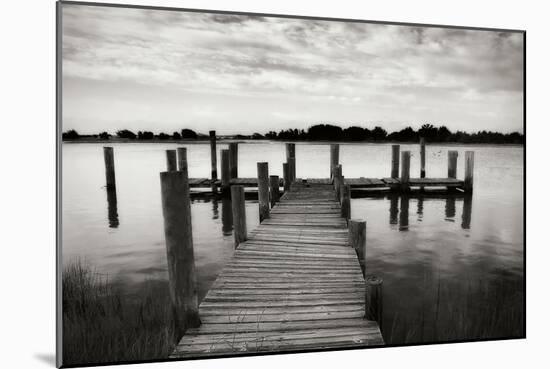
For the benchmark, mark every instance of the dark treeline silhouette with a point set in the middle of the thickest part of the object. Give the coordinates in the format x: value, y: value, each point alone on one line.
x: 328, y: 132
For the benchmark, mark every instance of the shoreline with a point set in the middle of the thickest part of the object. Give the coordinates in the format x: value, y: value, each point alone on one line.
x: 259, y: 141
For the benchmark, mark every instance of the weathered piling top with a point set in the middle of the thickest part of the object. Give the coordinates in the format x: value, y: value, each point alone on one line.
x: 295, y: 284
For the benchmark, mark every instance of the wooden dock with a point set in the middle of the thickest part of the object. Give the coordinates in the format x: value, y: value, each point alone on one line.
x: 373, y: 183
x: 295, y: 284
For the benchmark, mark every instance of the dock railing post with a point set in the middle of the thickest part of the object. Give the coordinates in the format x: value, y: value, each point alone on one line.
x: 274, y: 190
x: 346, y: 202
x: 263, y: 190
x: 338, y: 180
x: 395, y: 161
x: 373, y: 299
x: 213, y: 161
x: 469, y: 171
x: 286, y: 177
x: 452, y: 156
x: 334, y: 156
x: 422, y: 157
x: 234, y: 160
x: 357, y: 235
x: 226, y: 173
x: 109, y: 168
x: 291, y: 160
x: 182, y: 159
x: 171, y: 161
x: 176, y: 209
x: 239, y: 214
x: 213, y: 156
x: 405, y: 170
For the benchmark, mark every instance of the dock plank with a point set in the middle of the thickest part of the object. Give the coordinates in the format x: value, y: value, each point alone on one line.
x: 295, y: 284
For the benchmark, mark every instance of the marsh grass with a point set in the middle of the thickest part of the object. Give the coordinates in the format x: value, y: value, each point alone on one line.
x: 462, y: 311
x: 101, y: 324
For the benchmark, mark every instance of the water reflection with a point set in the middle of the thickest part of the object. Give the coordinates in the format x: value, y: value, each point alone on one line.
x: 404, y: 213
x: 393, y: 208
x: 399, y: 215
x: 450, y: 208
x: 467, y: 212
x: 420, y: 208
x: 215, y: 213
x: 112, y: 208
x: 227, y: 217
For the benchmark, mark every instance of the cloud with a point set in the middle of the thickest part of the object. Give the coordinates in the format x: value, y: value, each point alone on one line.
x: 245, y: 56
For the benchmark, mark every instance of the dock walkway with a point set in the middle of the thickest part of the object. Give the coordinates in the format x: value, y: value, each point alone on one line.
x: 294, y: 285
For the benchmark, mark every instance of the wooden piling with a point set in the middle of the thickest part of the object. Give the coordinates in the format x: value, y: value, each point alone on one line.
x: 357, y: 235
x: 176, y: 208
x: 213, y: 156
x: 234, y: 160
x: 452, y: 156
x: 291, y: 160
x: 263, y: 190
x: 346, y: 202
x: 292, y: 169
x: 338, y: 180
x: 239, y: 214
x: 469, y: 171
x: 109, y: 159
x: 422, y: 157
x: 373, y: 299
x: 182, y: 159
x: 405, y: 169
x: 226, y: 173
x: 395, y: 161
x: 171, y: 161
x: 286, y: 177
x: 334, y: 156
x: 274, y: 190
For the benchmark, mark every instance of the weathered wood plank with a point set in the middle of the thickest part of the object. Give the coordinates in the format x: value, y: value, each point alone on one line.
x: 295, y: 283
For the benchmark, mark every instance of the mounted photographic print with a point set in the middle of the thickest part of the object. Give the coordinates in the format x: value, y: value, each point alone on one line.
x: 241, y: 184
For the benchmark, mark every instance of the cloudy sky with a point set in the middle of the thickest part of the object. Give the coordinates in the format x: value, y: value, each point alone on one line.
x: 165, y: 70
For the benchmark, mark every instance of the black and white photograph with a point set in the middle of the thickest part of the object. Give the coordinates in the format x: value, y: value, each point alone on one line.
x: 236, y: 184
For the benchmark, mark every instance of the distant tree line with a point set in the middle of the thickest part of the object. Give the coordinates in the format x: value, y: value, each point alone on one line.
x: 328, y: 132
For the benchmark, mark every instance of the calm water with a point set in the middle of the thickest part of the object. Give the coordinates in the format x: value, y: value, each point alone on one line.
x: 449, y: 264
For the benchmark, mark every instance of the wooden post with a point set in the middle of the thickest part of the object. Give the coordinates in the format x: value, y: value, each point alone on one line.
x: 292, y: 169
x: 451, y: 163
x: 274, y: 189
x: 422, y: 157
x: 469, y: 171
x: 405, y: 169
x: 263, y: 190
x: 395, y: 161
x: 334, y: 156
x: 346, y: 202
x: 112, y: 208
x: 357, y: 235
x: 171, y: 161
x: 226, y: 173
x: 291, y: 160
x: 234, y: 160
x: 182, y: 159
x: 338, y: 180
x: 227, y: 216
x: 213, y: 156
x: 176, y: 209
x: 239, y: 214
x: 109, y: 167
x: 373, y: 299
x: 286, y: 177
